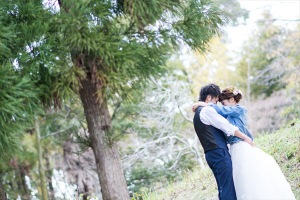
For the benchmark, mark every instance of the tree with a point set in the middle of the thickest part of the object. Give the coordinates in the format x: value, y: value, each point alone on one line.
x: 214, y: 67
x: 233, y: 10
x: 50, y: 130
x: 18, y: 101
x: 261, y: 52
x: 100, y: 50
x: 17, y: 105
x: 272, y: 54
x: 162, y: 146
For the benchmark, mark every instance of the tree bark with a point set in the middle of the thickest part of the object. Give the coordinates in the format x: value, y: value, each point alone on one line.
x: 49, y: 176
x: 86, y: 191
x: 18, y: 179
x: 2, y: 190
x: 109, y: 167
x: 11, y: 184
x: 25, y: 190
x: 40, y: 157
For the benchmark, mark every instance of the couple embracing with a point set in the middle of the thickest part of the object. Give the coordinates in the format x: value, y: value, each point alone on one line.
x: 245, y: 172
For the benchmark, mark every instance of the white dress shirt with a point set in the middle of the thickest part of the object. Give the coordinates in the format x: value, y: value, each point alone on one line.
x: 209, y: 116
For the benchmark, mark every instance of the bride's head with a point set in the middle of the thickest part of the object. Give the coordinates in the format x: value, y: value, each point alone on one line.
x: 230, y: 96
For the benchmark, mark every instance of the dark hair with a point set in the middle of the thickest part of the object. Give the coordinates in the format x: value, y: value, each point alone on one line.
x: 228, y: 92
x: 210, y: 89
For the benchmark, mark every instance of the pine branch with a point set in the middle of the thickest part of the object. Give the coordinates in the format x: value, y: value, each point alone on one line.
x: 55, y: 133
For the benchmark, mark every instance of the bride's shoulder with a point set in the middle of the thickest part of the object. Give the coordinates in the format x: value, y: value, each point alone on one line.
x: 242, y: 108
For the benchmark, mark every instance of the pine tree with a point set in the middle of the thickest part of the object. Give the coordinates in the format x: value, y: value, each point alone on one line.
x: 102, y: 50
x: 18, y: 103
x: 18, y: 98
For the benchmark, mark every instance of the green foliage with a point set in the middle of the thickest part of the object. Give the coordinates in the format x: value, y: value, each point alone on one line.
x: 24, y: 161
x: 118, y: 46
x: 18, y: 103
x: 115, y: 45
x: 124, y: 118
x: 56, y: 127
x: 292, y: 111
x: 261, y: 52
x: 6, y: 39
x: 140, y: 177
x: 284, y: 146
x: 115, y: 42
x: 211, y: 68
x: 233, y: 10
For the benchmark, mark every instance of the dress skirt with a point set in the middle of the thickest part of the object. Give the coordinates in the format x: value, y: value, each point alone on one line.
x: 256, y: 175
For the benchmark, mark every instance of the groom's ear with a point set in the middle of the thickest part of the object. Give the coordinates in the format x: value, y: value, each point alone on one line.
x: 208, y: 98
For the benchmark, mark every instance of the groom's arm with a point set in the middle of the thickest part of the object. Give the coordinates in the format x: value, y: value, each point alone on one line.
x: 209, y: 116
x: 244, y: 137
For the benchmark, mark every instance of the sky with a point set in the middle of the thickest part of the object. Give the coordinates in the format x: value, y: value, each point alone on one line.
x: 283, y: 10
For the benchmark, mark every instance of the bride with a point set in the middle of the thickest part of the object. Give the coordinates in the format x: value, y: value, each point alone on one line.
x: 256, y: 174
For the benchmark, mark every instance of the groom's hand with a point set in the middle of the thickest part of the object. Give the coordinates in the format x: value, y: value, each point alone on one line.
x: 244, y: 137
x: 249, y: 141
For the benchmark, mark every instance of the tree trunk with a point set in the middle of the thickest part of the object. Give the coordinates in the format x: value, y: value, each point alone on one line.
x: 109, y: 167
x: 18, y: 179
x: 49, y: 176
x: 41, y: 165
x: 11, y: 184
x: 2, y: 190
x: 86, y: 191
x: 248, y: 82
x: 25, y: 190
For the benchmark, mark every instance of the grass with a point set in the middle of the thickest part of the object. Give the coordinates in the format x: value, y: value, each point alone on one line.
x: 283, y: 145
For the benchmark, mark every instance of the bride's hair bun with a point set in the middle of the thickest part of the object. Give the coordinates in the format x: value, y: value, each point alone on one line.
x: 229, y: 92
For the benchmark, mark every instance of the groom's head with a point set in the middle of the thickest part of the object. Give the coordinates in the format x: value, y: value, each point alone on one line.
x: 210, y: 93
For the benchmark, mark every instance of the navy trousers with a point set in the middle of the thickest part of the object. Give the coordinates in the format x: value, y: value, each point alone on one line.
x: 220, y: 163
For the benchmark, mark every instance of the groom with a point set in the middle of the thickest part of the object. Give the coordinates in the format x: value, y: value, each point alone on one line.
x: 211, y: 129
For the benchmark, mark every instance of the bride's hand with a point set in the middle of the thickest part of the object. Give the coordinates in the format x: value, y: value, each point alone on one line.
x: 196, y: 105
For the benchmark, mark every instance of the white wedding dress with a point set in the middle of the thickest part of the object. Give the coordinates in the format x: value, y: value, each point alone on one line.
x: 256, y: 175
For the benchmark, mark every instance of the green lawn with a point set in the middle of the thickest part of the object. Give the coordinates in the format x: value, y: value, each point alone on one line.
x: 283, y: 145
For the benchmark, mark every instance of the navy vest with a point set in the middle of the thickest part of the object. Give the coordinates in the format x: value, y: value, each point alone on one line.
x: 209, y: 136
